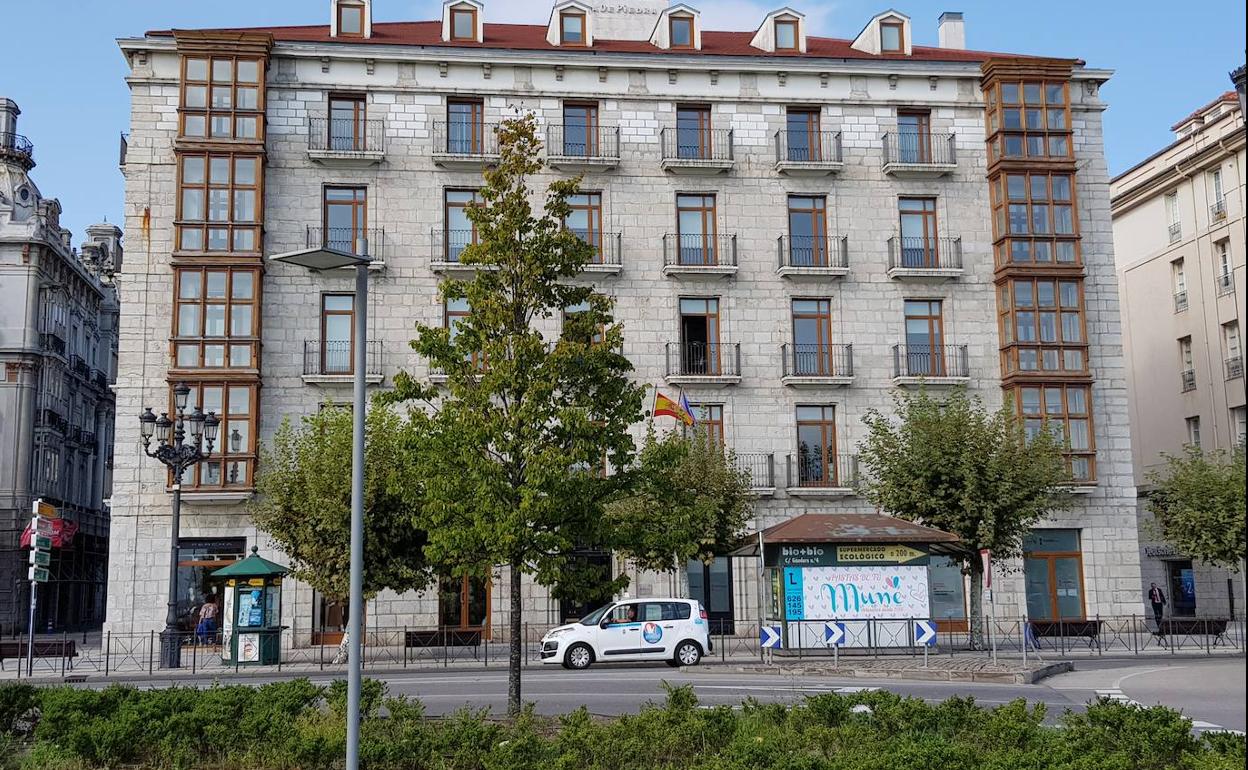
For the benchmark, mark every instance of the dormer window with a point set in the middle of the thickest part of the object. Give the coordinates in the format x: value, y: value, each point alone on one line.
x: 786, y: 34
x: 892, y: 38
x: 571, y: 28
x: 463, y: 24
x: 350, y: 20
x: 680, y: 31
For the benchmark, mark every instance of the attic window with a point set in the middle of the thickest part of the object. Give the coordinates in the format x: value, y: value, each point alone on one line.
x: 350, y: 20
x: 892, y: 38
x: 463, y: 24
x: 680, y: 31
x: 572, y: 28
x: 786, y: 34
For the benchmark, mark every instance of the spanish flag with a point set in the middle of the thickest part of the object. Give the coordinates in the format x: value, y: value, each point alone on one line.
x: 664, y: 406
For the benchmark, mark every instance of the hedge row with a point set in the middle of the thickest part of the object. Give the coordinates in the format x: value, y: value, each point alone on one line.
x: 296, y: 725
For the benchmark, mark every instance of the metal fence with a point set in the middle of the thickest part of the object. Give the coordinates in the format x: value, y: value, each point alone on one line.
x: 813, y: 251
x: 337, y: 357
x: 918, y: 148
x: 346, y: 136
x: 699, y: 249
x: 703, y: 359
x: 924, y: 253
x: 696, y: 144
x: 817, y: 360
x: 931, y: 361
x: 583, y: 140
x: 806, y: 146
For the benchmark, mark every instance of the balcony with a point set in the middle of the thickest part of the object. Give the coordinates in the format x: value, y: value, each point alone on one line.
x: 808, y: 153
x: 346, y: 143
x: 1217, y: 211
x: 1175, y: 231
x: 1180, y: 301
x: 446, y: 247
x: 812, y: 258
x: 931, y: 365
x: 696, y: 151
x: 811, y: 474
x: 581, y: 148
x: 1225, y: 284
x: 607, y: 249
x: 1187, y: 379
x: 703, y: 363
x: 99, y: 379
x: 760, y: 469
x: 699, y: 255
x: 17, y: 148
x: 53, y: 342
x: 817, y: 365
x: 50, y: 418
x: 368, y: 242
x: 1234, y: 367
x: 924, y: 259
x: 331, y: 363
x: 465, y: 146
x: 911, y: 155
x: 88, y: 440
x: 79, y: 366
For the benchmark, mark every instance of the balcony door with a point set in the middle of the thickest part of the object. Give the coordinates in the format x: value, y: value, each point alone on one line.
x: 585, y: 220
x: 711, y: 584
x: 337, y: 333
x: 812, y: 337
x: 695, y: 225
x: 347, y: 115
x: 914, y: 137
x: 808, y: 231
x: 925, y: 353
x: 459, y: 232
x: 802, y: 135
x: 465, y: 127
x: 699, y: 336
x: 816, y: 446
x: 345, y: 214
x: 580, y: 130
x: 693, y: 132
x: 917, y: 218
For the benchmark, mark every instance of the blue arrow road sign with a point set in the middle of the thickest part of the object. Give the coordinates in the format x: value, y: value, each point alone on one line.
x: 925, y: 633
x: 769, y: 636
x: 834, y: 634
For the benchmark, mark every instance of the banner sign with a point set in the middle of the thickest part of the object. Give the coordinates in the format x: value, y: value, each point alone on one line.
x: 854, y: 593
x: 895, y: 554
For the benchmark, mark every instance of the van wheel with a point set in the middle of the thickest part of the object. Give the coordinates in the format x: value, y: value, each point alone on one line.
x: 578, y: 656
x: 687, y: 654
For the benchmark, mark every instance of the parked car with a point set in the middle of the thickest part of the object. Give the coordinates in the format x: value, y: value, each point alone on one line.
x: 671, y: 630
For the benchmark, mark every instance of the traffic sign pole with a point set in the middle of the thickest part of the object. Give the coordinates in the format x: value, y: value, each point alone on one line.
x: 41, y: 530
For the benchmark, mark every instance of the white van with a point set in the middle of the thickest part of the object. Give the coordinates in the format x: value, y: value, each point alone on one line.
x: 670, y: 630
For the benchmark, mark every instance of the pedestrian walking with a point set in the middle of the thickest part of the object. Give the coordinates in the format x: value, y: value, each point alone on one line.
x: 206, y: 628
x: 1158, y: 601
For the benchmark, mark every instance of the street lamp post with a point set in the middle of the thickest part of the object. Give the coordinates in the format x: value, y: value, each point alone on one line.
x: 175, y: 453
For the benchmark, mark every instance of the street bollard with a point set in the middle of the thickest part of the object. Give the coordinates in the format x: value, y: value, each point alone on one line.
x: 108, y: 648
x: 64, y: 651
x: 151, y: 647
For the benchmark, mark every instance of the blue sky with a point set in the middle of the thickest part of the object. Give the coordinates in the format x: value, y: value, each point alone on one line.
x: 64, y: 70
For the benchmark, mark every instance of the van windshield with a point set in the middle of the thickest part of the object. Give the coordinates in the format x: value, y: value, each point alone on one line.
x: 595, y: 617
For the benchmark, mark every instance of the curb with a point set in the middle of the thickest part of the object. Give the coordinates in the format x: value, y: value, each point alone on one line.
x: 1031, y: 676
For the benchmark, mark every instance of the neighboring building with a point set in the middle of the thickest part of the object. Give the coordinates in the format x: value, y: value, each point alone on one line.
x: 793, y: 227
x: 1179, y: 240
x: 58, y: 358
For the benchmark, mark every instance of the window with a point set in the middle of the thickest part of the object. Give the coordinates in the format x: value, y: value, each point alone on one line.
x: 464, y: 604
x: 1066, y: 410
x: 585, y: 220
x: 337, y: 333
x: 914, y: 137
x: 198, y: 558
x: 234, y: 453
x: 1053, y: 575
x: 218, y: 203
x: 786, y: 34
x: 1034, y: 212
x: 695, y: 234
x: 919, y: 244
x: 347, y: 124
x: 808, y: 231
x: 924, y: 349
x: 816, y: 446
x: 1193, y: 431
x: 1187, y: 369
x: 460, y: 232
x: 802, y: 134
x: 463, y: 24
x: 693, y: 132
x: 710, y: 419
x: 680, y: 31
x: 465, y: 127
x: 1217, y: 209
x: 1173, y: 224
x: 699, y: 336
x: 1234, y: 356
x: 591, y: 336
x: 580, y: 129
x: 1238, y: 424
x: 216, y: 318
x: 1179, y: 277
x: 711, y: 584
x: 812, y: 337
x: 345, y: 219
x: 892, y: 37
x: 572, y: 28
x: 1042, y: 326
x: 222, y: 98
x: 1225, y: 278
x: 1028, y: 119
x: 454, y: 312
x: 350, y: 19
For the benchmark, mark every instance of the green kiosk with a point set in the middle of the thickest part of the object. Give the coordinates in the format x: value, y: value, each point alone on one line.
x: 251, y: 620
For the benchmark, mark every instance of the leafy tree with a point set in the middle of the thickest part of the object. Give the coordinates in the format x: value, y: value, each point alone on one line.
x: 950, y: 464
x: 304, y: 502
x: 1198, y: 505
x: 513, y: 447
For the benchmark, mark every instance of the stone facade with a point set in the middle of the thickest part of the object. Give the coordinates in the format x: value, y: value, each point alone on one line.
x: 407, y: 88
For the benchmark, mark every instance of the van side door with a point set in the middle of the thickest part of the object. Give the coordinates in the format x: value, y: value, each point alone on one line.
x: 620, y: 632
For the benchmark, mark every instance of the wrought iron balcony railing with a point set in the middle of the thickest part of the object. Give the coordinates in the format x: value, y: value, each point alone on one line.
x: 797, y: 146
x: 465, y: 138
x: 606, y: 246
x: 696, y: 144
x: 914, y: 148
x: 699, y: 250
x: 703, y: 359
x: 817, y: 469
x: 346, y: 136
x: 1187, y: 379
x: 1225, y: 283
x: 931, y: 361
x: 1234, y: 367
x: 924, y: 253
x: 1217, y: 210
x: 1180, y: 301
x: 760, y: 467
x: 337, y: 358
x: 364, y: 242
x: 1175, y: 231
x: 818, y: 360
x: 828, y: 251
x: 572, y: 140
x: 16, y: 143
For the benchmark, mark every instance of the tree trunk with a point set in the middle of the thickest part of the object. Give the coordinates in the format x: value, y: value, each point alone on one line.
x: 976, y: 624
x: 344, y: 648
x: 515, y: 657
x: 682, y: 580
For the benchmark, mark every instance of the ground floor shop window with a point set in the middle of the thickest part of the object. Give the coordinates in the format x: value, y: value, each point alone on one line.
x: 1053, y: 573
x: 711, y: 584
x: 463, y: 603
x: 329, y: 619
x: 948, y: 599
x: 1182, y: 581
x: 197, y: 559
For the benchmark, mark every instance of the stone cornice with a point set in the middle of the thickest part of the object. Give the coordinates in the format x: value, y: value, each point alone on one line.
x: 1126, y: 199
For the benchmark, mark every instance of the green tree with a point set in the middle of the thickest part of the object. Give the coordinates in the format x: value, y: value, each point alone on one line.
x: 304, y: 502
x: 514, y: 445
x: 1198, y: 505
x: 952, y: 465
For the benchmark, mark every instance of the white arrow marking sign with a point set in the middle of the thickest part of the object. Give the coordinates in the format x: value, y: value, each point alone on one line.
x: 769, y: 636
x: 925, y: 633
x: 834, y: 634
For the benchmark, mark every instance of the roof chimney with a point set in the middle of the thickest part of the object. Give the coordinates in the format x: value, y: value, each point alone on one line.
x: 952, y: 30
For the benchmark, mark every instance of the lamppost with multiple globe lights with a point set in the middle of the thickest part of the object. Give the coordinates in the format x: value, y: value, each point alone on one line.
x: 176, y: 453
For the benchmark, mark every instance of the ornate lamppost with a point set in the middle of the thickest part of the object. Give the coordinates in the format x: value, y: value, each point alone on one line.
x: 176, y: 453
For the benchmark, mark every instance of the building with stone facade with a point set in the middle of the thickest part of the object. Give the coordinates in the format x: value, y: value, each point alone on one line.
x: 1178, y: 219
x: 793, y: 228
x: 58, y: 357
